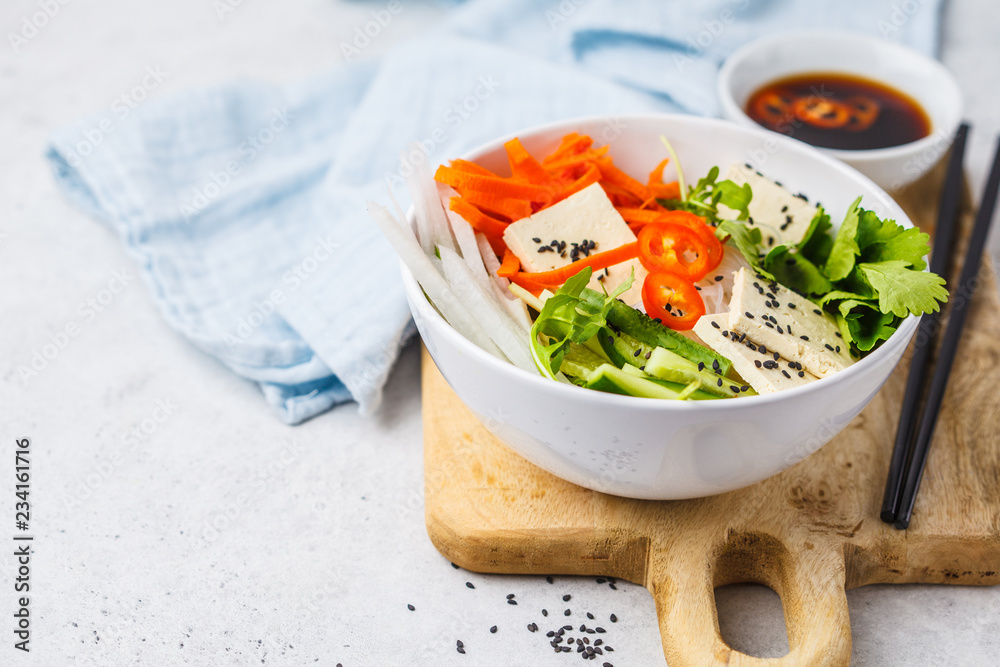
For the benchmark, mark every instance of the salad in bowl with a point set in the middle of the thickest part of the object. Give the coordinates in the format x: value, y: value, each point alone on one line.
x: 666, y: 312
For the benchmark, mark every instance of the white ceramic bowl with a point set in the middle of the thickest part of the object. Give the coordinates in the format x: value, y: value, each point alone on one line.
x: 647, y: 448
x: 801, y: 52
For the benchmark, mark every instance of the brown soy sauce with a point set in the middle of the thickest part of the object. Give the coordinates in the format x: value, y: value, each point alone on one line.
x: 840, y: 111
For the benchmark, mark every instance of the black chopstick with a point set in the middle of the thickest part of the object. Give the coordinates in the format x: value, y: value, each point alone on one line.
x: 951, y: 197
x: 961, y: 297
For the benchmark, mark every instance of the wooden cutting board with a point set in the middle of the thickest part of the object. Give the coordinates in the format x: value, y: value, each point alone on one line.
x: 809, y: 533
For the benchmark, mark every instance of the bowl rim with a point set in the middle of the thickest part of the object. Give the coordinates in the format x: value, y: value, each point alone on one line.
x: 947, y: 126
x: 428, y: 313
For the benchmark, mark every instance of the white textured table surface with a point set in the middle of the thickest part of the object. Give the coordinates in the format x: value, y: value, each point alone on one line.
x: 220, y: 536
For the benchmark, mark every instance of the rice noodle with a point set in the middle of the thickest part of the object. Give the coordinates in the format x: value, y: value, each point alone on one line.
x: 507, y: 334
x: 433, y: 283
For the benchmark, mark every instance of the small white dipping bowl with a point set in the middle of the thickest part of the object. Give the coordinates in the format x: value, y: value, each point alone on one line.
x: 802, y: 52
x: 647, y: 448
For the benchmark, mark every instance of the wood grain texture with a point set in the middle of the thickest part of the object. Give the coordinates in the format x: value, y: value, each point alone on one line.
x: 809, y: 533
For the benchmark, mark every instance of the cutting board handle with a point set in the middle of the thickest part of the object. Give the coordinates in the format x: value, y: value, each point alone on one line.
x: 810, y: 583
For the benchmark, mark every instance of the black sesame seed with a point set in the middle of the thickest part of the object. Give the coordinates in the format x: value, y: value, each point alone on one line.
x: 549, y: 579
x: 801, y: 374
x: 756, y: 362
x: 734, y: 389
x: 460, y: 650
x: 725, y: 334
x: 460, y: 644
x: 600, y: 630
x: 837, y: 349
x: 745, y: 387
x: 583, y: 628
x: 537, y: 240
x: 828, y: 346
x: 768, y: 325
x: 411, y: 607
x: 567, y: 613
x: 532, y: 627
x: 568, y: 627
x: 804, y: 337
x: 776, y: 356
x: 748, y: 314
x: 545, y: 612
x: 468, y: 584
x: 817, y: 311
x: 566, y: 598
x: 454, y: 566
x: 720, y: 382
x: 716, y: 325
x: 614, y: 619
x: 510, y: 596
x: 785, y: 373
x: 784, y: 208
x: 718, y: 279
x: 512, y: 602
x: 837, y: 334
x: 780, y: 330
x: 612, y: 586
x: 762, y: 349
x: 493, y: 630
x: 791, y: 305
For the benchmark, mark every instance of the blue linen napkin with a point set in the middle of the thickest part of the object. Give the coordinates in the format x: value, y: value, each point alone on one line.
x: 244, y: 204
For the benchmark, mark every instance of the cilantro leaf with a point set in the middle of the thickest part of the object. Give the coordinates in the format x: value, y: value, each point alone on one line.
x: 793, y: 270
x: 840, y: 295
x: 873, y: 229
x: 902, y: 290
x: 567, y: 318
x: 845, y: 246
x: 864, y: 325
x: 909, y: 245
x: 816, y: 243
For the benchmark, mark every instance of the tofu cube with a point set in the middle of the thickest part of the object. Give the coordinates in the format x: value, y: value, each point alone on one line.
x: 756, y: 365
x: 783, y: 218
x: 583, y: 223
x: 788, y: 324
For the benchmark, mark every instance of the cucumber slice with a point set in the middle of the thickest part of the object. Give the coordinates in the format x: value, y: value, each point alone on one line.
x: 666, y: 365
x: 653, y: 334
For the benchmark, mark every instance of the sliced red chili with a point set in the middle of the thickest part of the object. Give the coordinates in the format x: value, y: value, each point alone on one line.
x: 864, y: 111
x: 673, y: 247
x: 821, y: 111
x: 706, y: 232
x: 672, y: 298
x: 774, y: 107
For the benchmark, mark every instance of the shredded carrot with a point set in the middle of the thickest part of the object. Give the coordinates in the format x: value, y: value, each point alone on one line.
x: 589, y: 177
x: 512, y: 209
x: 598, y: 261
x: 656, y: 176
x: 619, y: 196
x: 510, y: 265
x: 615, y: 176
x: 502, y: 187
x: 491, y: 227
x: 523, y: 166
x: 583, y: 158
x: 470, y: 167
x: 572, y: 144
x: 666, y: 190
